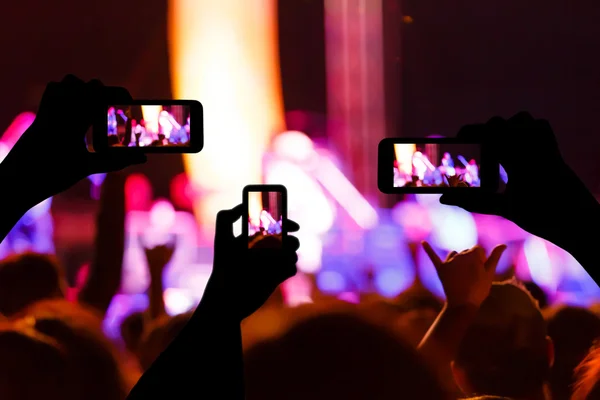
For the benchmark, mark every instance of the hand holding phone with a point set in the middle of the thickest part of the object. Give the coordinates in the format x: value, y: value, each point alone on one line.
x: 435, y: 165
x: 265, y: 213
x: 150, y: 126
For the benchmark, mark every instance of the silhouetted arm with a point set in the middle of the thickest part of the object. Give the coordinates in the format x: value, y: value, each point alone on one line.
x: 158, y: 258
x: 157, y: 302
x: 582, y: 239
x: 204, y: 361
x: 105, y: 274
x: 16, y: 198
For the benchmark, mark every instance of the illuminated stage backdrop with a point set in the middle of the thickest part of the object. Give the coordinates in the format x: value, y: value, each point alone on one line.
x: 225, y: 54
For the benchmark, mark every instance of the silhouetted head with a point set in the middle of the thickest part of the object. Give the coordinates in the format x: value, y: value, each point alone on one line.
x: 337, y: 355
x: 538, y: 294
x: 96, y: 370
x: 573, y: 331
x: 159, y: 335
x: 27, y: 278
x: 34, y: 366
x: 506, y: 351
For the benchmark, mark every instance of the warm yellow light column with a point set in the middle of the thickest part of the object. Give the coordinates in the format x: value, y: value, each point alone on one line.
x: 224, y: 53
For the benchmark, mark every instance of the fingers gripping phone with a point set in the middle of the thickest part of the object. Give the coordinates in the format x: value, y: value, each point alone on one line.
x: 435, y: 165
x: 150, y: 126
x: 265, y: 213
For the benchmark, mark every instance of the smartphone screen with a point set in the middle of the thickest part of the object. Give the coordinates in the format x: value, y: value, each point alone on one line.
x: 434, y: 165
x: 168, y: 126
x: 265, y: 207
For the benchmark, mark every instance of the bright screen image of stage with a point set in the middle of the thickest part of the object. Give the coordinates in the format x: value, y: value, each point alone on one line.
x: 437, y: 165
x: 265, y: 217
x: 148, y: 126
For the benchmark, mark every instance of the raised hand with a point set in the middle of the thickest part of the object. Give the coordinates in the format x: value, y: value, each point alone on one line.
x: 543, y: 195
x: 242, y: 279
x: 466, y: 276
x: 158, y: 257
x: 56, y: 139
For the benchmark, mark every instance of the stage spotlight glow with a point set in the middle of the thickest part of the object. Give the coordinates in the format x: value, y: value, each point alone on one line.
x: 225, y: 54
x: 162, y: 215
x: 294, y: 145
x: 539, y: 263
x: 331, y: 282
x: 19, y: 125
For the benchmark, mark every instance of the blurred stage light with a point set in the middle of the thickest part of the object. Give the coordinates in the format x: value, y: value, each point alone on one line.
x: 331, y: 282
x: 414, y: 219
x: 138, y: 193
x: 177, y: 301
x: 454, y: 229
x: 428, y: 199
x: 19, y: 125
x: 307, y: 203
x: 225, y: 54
x: 540, y: 265
x: 309, y: 253
x: 162, y: 215
x: 294, y: 145
x: 349, y: 297
x: 297, y: 290
x: 390, y: 282
x: 351, y: 200
x: 182, y: 192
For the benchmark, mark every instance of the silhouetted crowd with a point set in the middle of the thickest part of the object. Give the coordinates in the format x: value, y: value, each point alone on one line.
x: 492, y: 337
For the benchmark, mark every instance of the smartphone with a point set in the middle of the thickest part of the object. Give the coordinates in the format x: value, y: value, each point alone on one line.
x: 435, y: 165
x: 150, y: 126
x: 265, y: 210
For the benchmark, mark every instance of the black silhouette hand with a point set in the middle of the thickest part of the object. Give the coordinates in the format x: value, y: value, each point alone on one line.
x: 52, y: 155
x: 543, y: 195
x: 242, y: 280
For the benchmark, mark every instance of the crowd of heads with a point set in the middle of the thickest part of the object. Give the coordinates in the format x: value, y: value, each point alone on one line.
x: 324, y: 350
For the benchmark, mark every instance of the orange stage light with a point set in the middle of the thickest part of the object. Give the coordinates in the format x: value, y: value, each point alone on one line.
x: 225, y: 54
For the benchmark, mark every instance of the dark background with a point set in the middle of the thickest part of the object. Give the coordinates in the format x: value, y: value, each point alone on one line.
x: 462, y: 61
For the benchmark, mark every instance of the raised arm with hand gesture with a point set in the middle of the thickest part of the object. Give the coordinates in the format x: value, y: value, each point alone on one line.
x: 158, y: 257
x: 466, y: 276
x: 467, y: 279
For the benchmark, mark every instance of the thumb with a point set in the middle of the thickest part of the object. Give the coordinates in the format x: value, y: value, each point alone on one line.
x: 492, y: 261
x: 225, y: 220
x: 476, y: 202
